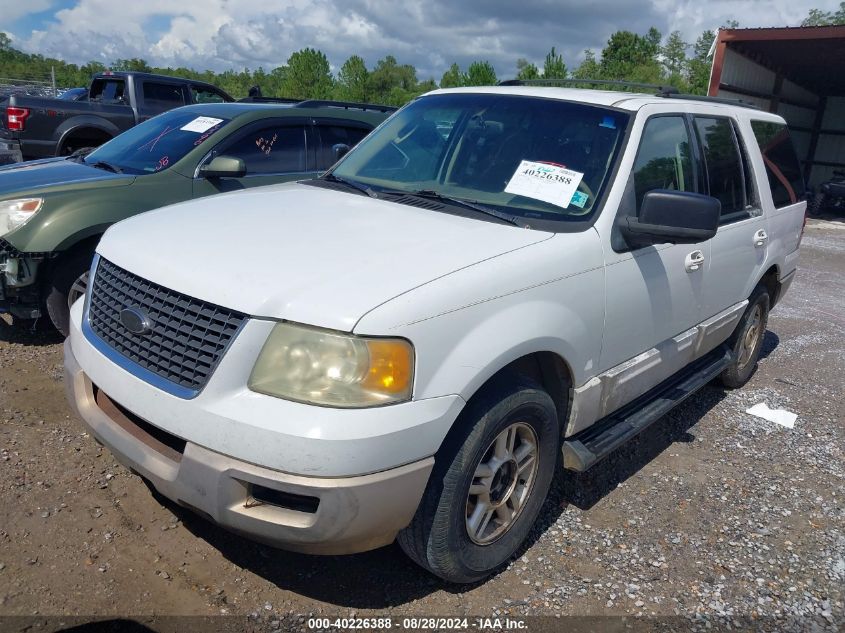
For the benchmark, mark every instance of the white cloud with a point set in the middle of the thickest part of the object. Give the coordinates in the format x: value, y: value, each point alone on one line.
x: 12, y: 10
x: 221, y: 34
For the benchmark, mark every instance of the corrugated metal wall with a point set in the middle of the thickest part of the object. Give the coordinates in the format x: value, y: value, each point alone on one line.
x: 744, y: 73
x: 831, y: 147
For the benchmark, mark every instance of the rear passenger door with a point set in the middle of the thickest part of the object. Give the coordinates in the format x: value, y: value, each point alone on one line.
x: 160, y: 96
x: 274, y: 151
x: 738, y: 251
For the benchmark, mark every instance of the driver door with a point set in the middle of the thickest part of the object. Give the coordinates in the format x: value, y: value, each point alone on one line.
x: 654, y: 293
x: 274, y: 151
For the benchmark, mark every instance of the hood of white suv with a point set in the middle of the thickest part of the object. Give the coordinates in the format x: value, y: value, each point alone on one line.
x: 303, y: 253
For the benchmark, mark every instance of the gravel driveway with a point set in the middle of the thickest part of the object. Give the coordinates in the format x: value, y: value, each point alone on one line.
x: 712, y: 515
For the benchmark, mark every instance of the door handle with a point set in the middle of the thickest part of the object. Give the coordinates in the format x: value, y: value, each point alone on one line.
x: 694, y: 261
x: 760, y: 238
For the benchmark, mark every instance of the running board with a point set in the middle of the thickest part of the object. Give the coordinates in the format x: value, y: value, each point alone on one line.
x: 590, y: 446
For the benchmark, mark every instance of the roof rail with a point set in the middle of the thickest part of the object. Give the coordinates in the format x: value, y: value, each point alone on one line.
x: 706, y: 99
x: 661, y: 91
x: 349, y: 105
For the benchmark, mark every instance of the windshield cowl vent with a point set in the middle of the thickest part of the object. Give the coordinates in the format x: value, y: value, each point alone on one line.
x: 413, y: 201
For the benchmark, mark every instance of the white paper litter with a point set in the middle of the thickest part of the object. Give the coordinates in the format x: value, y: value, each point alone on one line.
x: 778, y: 416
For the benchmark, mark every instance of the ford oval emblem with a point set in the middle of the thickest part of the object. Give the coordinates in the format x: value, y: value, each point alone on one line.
x: 135, y: 320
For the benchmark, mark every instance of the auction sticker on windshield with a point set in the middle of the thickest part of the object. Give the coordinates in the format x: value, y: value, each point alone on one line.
x: 544, y: 181
x: 201, y: 124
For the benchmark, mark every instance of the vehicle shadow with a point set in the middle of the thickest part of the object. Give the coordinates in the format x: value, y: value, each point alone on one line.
x: 34, y: 334
x: 770, y: 343
x: 386, y: 578
x: 585, y: 490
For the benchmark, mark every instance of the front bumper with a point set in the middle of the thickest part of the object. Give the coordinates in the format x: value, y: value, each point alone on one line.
x: 19, y: 293
x: 325, y: 515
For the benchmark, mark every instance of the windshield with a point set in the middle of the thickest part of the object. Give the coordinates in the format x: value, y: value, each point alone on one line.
x: 158, y: 143
x: 530, y: 157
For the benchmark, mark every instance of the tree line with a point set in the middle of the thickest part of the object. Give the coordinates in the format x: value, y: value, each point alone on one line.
x: 638, y: 57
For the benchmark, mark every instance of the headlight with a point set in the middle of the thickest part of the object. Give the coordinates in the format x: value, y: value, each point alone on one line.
x: 15, y: 213
x: 333, y: 369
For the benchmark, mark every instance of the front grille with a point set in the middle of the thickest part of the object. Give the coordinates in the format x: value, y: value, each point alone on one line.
x: 187, y: 336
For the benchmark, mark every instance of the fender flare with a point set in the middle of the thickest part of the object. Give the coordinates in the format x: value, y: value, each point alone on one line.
x: 82, y: 122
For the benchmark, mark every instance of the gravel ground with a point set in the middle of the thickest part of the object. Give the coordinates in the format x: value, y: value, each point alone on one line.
x: 711, y: 517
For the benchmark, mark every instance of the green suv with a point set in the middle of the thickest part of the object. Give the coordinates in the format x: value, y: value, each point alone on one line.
x: 54, y: 211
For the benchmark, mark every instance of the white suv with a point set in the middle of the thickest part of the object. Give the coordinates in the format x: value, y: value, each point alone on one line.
x: 496, y: 281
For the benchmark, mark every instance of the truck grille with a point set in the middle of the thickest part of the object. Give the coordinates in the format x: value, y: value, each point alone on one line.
x: 186, y: 337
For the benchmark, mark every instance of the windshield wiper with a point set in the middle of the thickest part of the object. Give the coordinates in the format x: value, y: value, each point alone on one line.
x: 469, y: 204
x: 351, y: 183
x: 101, y: 164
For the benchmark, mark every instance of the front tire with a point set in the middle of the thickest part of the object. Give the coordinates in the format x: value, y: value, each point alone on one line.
x: 747, y: 340
x: 68, y: 283
x: 489, y: 482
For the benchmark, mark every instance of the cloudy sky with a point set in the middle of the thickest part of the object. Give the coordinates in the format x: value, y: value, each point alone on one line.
x: 221, y: 34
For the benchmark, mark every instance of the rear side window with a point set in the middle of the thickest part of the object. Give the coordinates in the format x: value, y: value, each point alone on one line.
x: 200, y: 94
x: 161, y: 97
x: 723, y: 164
x: 782, y: 166
x: 663, y: 159
x: 275, y: 149
x: 109, y: 91
x: 331, y: 135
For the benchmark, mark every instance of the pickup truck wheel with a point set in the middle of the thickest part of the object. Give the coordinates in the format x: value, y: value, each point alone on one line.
x: 69, y: 282
x: 489, y: 482
x: 747, y: 340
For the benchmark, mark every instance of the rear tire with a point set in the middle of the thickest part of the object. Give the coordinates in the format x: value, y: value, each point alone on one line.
x: 68, y: 283
x: 747, y: 340
x: 488, y: 484
x: 816, y: 204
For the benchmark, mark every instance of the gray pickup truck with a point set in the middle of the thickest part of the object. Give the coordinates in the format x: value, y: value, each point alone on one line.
x: 38, y: 127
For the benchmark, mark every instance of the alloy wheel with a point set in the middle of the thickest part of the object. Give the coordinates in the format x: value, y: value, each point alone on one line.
x: 750, y: 337
x: 502, y: 483
x: 78, y: 289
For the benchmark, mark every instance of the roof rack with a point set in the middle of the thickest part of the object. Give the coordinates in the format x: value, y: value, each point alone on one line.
x: 268, y: 100
x: 706, y: 99
x: 669, y: 92
x: 349, y: 105
x: 660, y: 91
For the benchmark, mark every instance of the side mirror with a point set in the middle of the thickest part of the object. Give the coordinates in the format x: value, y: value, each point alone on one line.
x: 340, y: 150
x: 678, y: 217
x: 223, y: 167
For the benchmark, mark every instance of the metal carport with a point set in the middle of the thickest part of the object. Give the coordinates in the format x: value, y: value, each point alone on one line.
x: 798, y: 73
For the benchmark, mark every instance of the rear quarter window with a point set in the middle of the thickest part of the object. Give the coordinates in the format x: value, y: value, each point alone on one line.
x: 782, y: 167
x: 108, y: 91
